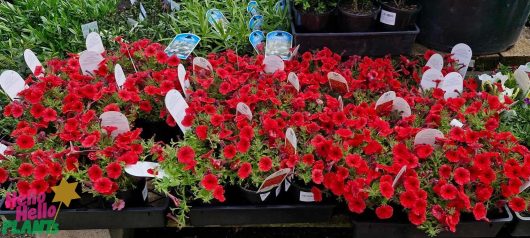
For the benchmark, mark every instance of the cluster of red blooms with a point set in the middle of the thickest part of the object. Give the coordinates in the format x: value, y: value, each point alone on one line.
x: 345, y: 146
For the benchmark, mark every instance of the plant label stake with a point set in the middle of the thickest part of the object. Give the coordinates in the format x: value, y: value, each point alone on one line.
x: 273, y: 63
x: 202, y: 63
x: 145, y: 169
x: 431, y: 78
x: 428, y: 137
x: 274, y: 180
x: 293, y: 79
x: 290, y: 136
x: 115, y: 119
x: 176, y: 105
x: 184, y: 84
x: 436, y: 62
x: 182, y: 45
x: 294, y: 53
x: 143, y: 14
x: 388, y: 18
x: 456, y: 123
x: 119, y: 75
x: 217, y: 20
x: 256, y: 39
x: 386, y: 97
x: 33, y: 62
x: 341, y: 104
x: 522, y: 81
x: 255, y: 23
x: 279, y: 43
x: 244, y: 109
x: 12, y: 83
x: 462, y: 53
x: 94, y: 43
x: 398, y: 176
x: 401, y: 106
x: 453, y: 85
x: 334, y: 78
x: 89, y: 62
x: 3, y: 148
x: 252, y: 8
x: 89, y: 27
x: 279, y: 6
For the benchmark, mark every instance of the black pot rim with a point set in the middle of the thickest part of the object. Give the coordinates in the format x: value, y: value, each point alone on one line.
x: 252, y: 191
x: 375, y: 10
x: 416, y: 10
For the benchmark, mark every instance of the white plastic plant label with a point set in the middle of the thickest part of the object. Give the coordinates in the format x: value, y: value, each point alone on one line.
x: 144, y: 192
x: 119, y: 76
x: 462, y: 53
x: 184, y: 84
x: 523, y: 82
x: 182, y: 45
x: 264, y: 196
x: 336, y: 77
x: 89, y: 27
x: 94, y: 43
x: 132, y: 23
x: 427, y: 136
x: 287, y: 184
x: 145, y: 169
x: 294, y: 53
x: 436, y: 62
x: 244, y: 109
x: 293, y: 79
x: 176, y: 105
x: 32, y: 62
x: 217, y: 20
x: 290, y: 136
x: 12, y: 83
x: 456, y: 123
x: 143, y: 14
x: 115, y: 119
x: 255, y: 23
x: 453, y: 85
x: 278, y: 190
x: 401, y: 106
x: 279, y: 43
x: 89, y: 61
x: 386, y: 97
x: 306, y: 197
x: 341, y: 103
x: 274, y: 180
x: 202, y: 63
x: 133, y: 2
x: 398, y: 176
x: 256, y: 39
x: 3, y: 148
x: 430, y: 78
x: 272, y: 64
x: 388, y: 18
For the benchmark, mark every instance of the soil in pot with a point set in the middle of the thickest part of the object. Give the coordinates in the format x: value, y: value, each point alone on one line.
x: 357, y: 19
x: 160, y: 130
x: 395, y: 18
x: 307, y: 21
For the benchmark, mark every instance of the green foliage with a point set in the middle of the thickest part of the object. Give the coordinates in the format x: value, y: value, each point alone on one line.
x: 517, y: 121
x: 315, y: 6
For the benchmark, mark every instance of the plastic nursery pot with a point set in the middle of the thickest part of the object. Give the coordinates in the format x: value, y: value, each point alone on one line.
x: 393, y: 18
x: 160, y: 130
x: 298, y: 191
x: 351, y: 21
x: 313, y: 22
x: 254, y: 197
x: 487, y: 26
x: 522, y: 225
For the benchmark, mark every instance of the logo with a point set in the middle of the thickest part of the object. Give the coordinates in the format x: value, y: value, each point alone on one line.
x: 33, y: 214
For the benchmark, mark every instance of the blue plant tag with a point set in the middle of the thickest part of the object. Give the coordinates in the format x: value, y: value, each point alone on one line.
x: 182, y: 45
x: 279, y: 43
x: 279, y: 6
x: 255, y: 23
x: 217, y: 20
x: 89, y: 27
x: 252, y: 8
x: 256, y: 39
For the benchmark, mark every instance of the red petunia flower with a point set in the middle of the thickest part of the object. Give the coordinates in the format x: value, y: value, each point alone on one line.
x: 448, y: 192
x: 479, y: 211
x: 265, y: 164
x: 209, y: 182
x: 243, y: 145
x: 185, y: 154
x: 317, y: 176
x: 462, y: 176
x: 408, y: 199
x: 103, y: 185
x: 219, y: 193
x: 3, y: 175
x: 317, y: 194
x: 25, y: 142
x: 384, y: 212
x: 23, y: 188
x: 373, y: 147
x: 423, y: 150
x: 229, y: 151
x: 49, y: 115
x: 94, y: 173
x: 386, y: 189
x: 202, y: 132
x: 39, y: 186
x: 244, y: 171
x: 113, y: 170
x: 517, y: 204
x: 25, y: 170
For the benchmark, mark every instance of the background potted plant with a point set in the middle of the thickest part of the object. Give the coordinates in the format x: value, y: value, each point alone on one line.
x: 314, y: 15
x: 398, y: 14
x: 357, y: 15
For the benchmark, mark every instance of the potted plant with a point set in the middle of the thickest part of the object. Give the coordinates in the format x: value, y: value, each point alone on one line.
x: 314, y: 15
x: 357, y: 15
x: 398, y: 14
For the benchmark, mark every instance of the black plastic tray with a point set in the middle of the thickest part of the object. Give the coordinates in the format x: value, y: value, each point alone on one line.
x: 217, y: 215
x: 374, y: 44
x: 375, y: 228
x: 152, y: 215
x: 522, y: 226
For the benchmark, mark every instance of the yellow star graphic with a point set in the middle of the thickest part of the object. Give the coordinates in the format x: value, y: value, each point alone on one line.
x: 65, y: 192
